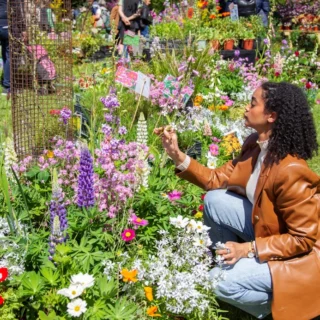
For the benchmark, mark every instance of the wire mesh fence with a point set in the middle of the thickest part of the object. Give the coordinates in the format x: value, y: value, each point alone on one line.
x: 41, y: 71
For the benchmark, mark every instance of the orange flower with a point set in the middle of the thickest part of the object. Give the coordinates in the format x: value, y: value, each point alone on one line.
x: 225, y: 14
x: 218, y: 8
x: 148, y: 292
x: 212, y: 16
x: 212, y: 108
x: 129, y: 276
x: 152, y: 312
x: 197, y: 101
x: 50, y: 154
x: 223, y: 108
x: 190, y: 13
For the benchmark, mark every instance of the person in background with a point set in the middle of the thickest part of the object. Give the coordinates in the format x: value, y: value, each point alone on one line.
x: 145, y: 19
x: 4, y: 41
x: 129, y: 14
x: 263, y: 9
x: 46, y: 17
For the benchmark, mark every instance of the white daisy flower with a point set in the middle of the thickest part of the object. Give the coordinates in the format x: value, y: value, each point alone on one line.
x: 200, y: 228
x: 77, y: 307
x: 84, y: 280
x: 179, y: 222
x: 72, y: 292
x: 191, y: 226
x: 199, y: 242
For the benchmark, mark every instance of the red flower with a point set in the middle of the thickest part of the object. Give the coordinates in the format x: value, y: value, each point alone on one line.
x: 277, y: 74
x: 3, y: 274
x: 308, y: 85
x: 297, y: 53
x: 190, y: 13
x: 1, y: 301
x: 201, y: 207
x: 202, y: 197
x: 54, y: 112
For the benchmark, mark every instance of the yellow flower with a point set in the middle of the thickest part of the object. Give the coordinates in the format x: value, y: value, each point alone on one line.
x: 148, y: 292
x: 129, y: 276
x: 50, y: 154
x: 152, y: 312
x: 212, y: 108
x: 198, y: 215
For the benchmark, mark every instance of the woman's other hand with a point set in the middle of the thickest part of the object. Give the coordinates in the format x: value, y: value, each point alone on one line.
x: 170, y: 144
x: 233, y: 252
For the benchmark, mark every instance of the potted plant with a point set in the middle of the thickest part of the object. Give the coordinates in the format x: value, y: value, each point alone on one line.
x: 230, y: 40
x: 216, y: 38
x: 248, y: 38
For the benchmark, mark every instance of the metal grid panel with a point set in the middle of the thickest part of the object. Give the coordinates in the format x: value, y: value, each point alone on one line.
x: 41, y: 71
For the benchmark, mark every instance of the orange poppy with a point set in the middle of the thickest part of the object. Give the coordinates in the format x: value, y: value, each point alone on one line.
x: 152, y: 312
x: 148, y: 292
x: 218, y: 8
x: 129, y: 276
x: 225, y: 14
x: 213, y: 16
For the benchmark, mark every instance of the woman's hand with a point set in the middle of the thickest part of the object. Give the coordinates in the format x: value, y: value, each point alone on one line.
x: 233, y: 252
x: 170, y: 144
x: 126, y: 21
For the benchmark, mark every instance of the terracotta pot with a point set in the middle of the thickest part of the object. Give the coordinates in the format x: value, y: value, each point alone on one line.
x: 248, y: 44
x: 215, y: 44
x: 228, y: 44
x: 315, y: 28
x: 287, y: 28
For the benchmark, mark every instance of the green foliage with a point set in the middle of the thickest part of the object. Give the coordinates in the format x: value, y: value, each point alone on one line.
x: 122, y: 310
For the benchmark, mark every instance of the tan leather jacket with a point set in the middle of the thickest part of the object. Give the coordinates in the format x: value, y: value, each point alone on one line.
x: 286, y: 220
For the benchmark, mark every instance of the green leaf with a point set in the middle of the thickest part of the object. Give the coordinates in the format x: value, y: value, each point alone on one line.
x: 108, y: 288
x: 122, y: 310
x: 50, y: 276
x: 32, y: 283
x: 51, y: 316
x: 33, y: 172
x: 43, y: 175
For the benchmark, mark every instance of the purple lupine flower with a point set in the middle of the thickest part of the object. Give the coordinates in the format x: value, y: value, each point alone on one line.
x: 85, y: 180
x: 122, y: 130
x: 111, y: 102
x: 58, y: 219
x: 65, y: 115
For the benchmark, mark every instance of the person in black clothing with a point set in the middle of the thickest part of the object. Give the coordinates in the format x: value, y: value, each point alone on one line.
x: 129, y: 11
x: 145, y: 18
x: 4, y: 41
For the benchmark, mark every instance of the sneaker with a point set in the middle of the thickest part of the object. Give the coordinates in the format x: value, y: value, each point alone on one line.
x: 5, y: 91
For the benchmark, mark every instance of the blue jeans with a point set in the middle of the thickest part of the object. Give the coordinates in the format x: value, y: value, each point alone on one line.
x: 4, y: 41
x: 248, y: 284
x: 263, y: 9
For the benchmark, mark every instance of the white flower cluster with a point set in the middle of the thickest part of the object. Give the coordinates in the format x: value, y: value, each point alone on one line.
x: 180, y: 269
x: 142, y: 130
x: 79, y: 283
x: 10, y: 157
x: 12, y: 255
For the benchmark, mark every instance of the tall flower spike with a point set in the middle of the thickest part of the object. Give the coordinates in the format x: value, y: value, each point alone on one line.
x: 85, y: 180
x: 10, y: 157
x: 142, y: 130
x: 58, y: 216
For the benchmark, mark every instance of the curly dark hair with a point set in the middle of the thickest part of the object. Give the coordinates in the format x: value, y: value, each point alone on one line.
x: 294, y: 131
